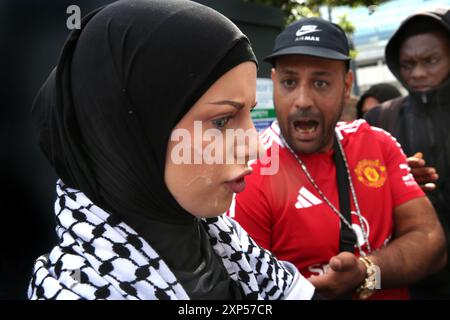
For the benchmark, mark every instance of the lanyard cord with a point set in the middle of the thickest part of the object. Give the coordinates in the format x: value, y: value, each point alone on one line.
x: 336, y: 211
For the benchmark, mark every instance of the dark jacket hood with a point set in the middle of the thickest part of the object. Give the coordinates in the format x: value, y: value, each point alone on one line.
x: 439, y: 15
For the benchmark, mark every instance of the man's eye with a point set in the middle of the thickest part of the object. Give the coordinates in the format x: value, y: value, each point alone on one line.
x: 432, y: 60
x: 320, y: 84
x: 221, y: 122
x: 407, y: 65
x: 289, y: 83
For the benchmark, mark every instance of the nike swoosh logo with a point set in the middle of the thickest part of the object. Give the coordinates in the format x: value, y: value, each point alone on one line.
x: 302, y: 33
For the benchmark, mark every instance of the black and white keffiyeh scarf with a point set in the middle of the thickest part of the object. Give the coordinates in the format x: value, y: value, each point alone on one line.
x: 99, y: 257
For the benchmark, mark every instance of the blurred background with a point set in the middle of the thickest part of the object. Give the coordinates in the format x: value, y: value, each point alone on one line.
x: 31, y: 36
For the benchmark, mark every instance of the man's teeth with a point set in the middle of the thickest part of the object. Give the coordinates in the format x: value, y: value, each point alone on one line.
x: 307, y: 130
x: 306, y: 127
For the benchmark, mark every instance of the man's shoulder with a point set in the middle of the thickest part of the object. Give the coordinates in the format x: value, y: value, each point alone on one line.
x: 271, y: 135
x: 273, y: 147
x: 385, y: 114
x: 352, y: 130
x: 361, y: 131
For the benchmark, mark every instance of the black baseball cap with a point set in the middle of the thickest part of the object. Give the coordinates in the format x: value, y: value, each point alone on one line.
x: 313, y: 37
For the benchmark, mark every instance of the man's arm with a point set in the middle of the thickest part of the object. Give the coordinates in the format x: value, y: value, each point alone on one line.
x: 417, y: 250
x: 417, y: 247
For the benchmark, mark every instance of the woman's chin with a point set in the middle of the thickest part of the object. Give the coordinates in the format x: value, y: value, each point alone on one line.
x: 215, y: 208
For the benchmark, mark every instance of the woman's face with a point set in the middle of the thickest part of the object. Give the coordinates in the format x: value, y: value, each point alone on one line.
x: 210, y: 147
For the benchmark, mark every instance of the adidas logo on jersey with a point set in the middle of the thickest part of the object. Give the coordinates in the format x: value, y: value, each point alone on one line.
x: 306, y: 199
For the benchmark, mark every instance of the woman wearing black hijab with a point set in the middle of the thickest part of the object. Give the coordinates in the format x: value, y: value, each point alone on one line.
x: 133, y: 221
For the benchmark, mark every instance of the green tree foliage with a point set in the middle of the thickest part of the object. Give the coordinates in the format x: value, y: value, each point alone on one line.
x: 294, y: 9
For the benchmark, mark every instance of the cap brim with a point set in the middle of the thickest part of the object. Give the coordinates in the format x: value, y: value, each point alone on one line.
x: 308, y: 51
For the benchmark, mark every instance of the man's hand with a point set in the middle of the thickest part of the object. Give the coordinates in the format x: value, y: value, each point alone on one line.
x: 424, y: 176
x: 344, y: 275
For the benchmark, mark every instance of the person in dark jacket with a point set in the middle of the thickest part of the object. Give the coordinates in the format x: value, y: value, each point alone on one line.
x: 418, y: 54
x: 374, y: 96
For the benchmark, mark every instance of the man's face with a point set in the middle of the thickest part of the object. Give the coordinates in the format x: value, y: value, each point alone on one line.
x: 425, y: 60
x: 309, y: 96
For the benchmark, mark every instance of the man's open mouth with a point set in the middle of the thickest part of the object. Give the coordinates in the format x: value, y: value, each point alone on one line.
x: 306, y: 127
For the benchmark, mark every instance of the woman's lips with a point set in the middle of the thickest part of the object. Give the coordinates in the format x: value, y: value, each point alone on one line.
x: 238, y: 184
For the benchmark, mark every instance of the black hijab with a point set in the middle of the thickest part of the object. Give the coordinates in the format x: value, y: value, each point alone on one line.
x: 105, y: 115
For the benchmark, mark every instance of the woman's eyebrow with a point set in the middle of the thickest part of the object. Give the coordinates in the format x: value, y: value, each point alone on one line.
x: 237, y: 105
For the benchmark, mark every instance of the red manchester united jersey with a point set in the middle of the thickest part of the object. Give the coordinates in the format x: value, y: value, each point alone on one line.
x: 284, y: 213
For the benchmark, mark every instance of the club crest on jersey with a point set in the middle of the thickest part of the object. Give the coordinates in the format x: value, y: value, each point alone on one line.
x: 371, y: 173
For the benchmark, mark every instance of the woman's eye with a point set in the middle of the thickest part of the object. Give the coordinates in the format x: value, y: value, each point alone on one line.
x: 221, y: 122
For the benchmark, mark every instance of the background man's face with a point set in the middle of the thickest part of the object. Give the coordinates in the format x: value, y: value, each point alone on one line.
x: 425, y: 60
